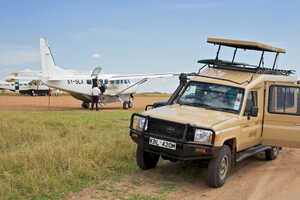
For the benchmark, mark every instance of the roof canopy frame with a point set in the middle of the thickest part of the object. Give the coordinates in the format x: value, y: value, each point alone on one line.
x: 247, y: 45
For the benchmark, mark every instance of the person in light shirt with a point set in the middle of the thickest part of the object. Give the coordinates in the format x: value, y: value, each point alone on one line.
x: 95, y: 97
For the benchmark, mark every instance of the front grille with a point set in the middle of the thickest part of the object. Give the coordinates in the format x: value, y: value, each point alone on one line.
x: 166, y: 128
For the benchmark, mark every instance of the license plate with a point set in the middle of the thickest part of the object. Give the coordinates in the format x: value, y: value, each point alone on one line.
x: 162, y: 143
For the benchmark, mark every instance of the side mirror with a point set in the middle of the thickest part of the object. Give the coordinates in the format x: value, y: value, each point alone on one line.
x: 254, y: 111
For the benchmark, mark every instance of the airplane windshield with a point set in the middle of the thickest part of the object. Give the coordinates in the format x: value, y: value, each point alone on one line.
x: 212, y: 96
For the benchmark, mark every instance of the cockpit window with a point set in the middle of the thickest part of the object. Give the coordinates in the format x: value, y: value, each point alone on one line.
x: 212, y: 96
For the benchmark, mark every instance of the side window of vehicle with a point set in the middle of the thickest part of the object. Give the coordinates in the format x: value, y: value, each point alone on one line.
x: 284, y: 100
x: 251, y: 101
x: 89, y: 82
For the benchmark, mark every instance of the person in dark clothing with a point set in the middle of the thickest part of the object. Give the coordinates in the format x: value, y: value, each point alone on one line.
x: 95, y: 97
x: 102, y: 88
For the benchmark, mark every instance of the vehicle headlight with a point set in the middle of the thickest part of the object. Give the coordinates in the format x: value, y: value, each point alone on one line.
x: 141, y: 122
x: 203, y: 136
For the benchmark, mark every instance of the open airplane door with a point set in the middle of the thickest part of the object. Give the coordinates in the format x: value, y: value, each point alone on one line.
x: 281, y: 124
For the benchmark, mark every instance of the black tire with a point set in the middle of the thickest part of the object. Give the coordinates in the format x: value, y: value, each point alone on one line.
x: 125, y: 105
x: 146, y: 160
x: 85, y: 105
x: 130, y: 104
x: 219, y: 167
x: 272, y: 154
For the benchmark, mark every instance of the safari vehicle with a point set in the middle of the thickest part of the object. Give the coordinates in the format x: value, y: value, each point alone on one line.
x: 224, y: 113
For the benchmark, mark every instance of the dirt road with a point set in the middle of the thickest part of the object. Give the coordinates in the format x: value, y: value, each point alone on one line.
x: 64, y: 103
x: 251, y: 179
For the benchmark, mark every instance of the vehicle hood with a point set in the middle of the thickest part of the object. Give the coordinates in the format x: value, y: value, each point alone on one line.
x: 194, y: 116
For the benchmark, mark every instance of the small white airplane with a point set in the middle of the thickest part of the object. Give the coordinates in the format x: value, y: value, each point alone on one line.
x: 20, y: 82
x: 120, y: 88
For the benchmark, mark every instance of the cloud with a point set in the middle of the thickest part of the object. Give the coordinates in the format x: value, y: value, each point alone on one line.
x: 18, y: 55
x: 96, y: 55
x: 14, y: 58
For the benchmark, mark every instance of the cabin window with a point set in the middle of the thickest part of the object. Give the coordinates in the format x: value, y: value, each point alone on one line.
x: 117, y: 81
x: 125, y: 81
x: 112, y: 82
x: 128, y: 81
x: 251, y: 101
x: 106, y: 81
x: 89, y: 82
x: 101, y: 81
x: 285, y: 100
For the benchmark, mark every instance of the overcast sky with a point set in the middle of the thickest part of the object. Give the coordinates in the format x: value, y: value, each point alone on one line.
x: 150, y: 36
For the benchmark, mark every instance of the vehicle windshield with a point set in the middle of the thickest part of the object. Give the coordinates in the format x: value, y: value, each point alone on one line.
x: 212, y: 96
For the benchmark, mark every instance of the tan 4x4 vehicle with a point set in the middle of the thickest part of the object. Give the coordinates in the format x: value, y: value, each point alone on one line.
x: 224, y: 113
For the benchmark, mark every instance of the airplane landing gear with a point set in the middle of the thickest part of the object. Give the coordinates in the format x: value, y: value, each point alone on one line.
x: 127, y: 105
x: 85, y: 105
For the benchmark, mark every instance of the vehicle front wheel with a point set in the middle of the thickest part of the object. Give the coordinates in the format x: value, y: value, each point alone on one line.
x: 219, y: 167
x: 272, y: 154
x: 146, y: 160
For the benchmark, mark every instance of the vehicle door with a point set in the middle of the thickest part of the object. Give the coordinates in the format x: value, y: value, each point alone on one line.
x: 251, y: 122
x: 281, y: 126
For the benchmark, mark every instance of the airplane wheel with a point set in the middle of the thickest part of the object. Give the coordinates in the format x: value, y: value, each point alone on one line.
x: 130, y: 104
x: 85, y: 105
x: 125, y: 105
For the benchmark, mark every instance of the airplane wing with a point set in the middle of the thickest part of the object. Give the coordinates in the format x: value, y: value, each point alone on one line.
x: 23, y: 78
x: 142, y: 76
x: 131, y: 86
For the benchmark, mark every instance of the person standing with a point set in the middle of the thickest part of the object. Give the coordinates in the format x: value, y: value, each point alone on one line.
x: 95, y: 97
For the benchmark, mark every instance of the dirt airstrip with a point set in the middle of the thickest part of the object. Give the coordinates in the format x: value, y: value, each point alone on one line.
x: 251, y: 179
x: 64, y: 103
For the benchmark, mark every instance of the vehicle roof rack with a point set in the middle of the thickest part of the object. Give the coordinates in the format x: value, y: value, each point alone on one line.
x: 241, y: 44
x: 243, y: 67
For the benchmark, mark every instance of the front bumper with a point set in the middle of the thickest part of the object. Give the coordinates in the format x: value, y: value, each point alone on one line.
x: 184, y: 150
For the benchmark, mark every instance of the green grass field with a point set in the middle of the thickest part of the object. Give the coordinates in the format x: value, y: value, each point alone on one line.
x: 44, y: 155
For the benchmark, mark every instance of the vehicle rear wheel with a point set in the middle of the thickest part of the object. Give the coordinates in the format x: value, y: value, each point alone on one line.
x: 125, y: 105
x: 146, y: 160
x: 272, y: 154
x: 219, y: 167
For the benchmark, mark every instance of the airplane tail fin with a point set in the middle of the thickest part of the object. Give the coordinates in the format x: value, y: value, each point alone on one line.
x: 49, y: 68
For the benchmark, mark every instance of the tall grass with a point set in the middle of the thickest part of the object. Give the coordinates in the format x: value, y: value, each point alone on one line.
x: 45, y: 154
